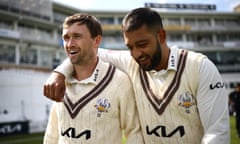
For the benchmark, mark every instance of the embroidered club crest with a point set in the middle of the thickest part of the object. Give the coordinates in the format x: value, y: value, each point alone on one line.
x: 102, y: 106
x: 186, y: 100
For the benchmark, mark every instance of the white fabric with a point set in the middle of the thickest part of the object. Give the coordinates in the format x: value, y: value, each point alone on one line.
x: 104, y: 127
x: 208, y: 121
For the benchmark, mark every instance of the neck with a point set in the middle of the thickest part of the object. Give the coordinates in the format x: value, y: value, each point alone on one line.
x: 164, y: 59
x: 82, y: 72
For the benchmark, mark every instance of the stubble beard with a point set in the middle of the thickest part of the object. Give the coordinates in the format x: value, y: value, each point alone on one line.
x: 77, y: 60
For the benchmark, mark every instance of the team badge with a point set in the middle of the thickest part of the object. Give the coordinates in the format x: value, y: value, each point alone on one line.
x: 102, y: 106
x: 186, y: 100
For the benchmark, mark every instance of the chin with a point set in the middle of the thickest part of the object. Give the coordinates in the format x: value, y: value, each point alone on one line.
x: 73, y: 61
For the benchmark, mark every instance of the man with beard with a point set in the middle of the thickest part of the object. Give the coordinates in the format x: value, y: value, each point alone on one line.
x: 180, y: 94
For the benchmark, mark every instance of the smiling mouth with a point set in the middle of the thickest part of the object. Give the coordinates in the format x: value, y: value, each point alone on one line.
x: 71, y: 53
x: 142, y: 60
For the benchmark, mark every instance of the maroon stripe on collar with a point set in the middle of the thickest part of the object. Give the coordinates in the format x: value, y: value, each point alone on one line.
x: 160, y: 104
x: 74, y: 108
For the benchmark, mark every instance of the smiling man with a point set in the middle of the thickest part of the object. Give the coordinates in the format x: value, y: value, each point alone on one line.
x: 94, y: 109
x: 180, y: 94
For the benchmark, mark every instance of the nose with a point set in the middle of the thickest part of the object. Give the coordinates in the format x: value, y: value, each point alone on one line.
x: 70, y: 43
x: 135, y: 52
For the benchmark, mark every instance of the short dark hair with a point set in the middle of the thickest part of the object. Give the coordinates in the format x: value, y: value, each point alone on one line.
x: 92, y: 23
x: 142, y: 16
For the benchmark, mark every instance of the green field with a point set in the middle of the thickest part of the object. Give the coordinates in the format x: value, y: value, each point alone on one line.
x: 234, y: 138
x: 37, y: 137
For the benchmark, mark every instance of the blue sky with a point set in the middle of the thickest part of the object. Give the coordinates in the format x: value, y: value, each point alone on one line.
x: 118, y: 5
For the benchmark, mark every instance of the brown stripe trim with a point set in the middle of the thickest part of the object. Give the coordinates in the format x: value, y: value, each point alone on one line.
x: 146, y: 88
x: 160, y: 104
x: 74, y: 108
x: 175, y: 83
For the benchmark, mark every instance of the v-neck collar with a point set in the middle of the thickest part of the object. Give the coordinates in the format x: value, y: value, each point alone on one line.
x: 158, y: 103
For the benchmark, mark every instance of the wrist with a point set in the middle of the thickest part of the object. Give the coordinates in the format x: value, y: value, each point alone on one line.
x: 58, y: 75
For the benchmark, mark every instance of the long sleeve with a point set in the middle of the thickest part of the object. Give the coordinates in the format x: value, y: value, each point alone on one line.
x: 120, y: 59
x: 212, y: 101
x: 65, y: 68
x: 51, y: 133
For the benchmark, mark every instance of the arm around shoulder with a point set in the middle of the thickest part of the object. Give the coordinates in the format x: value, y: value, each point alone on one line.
x: 66, y: 68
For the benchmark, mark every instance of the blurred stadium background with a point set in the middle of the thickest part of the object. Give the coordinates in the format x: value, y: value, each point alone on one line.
x: 31, y: 46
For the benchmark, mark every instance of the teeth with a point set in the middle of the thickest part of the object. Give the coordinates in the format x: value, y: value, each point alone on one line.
x: 142, y: 58
x: 73, y: 52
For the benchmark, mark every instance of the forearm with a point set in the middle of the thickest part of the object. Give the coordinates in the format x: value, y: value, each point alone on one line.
x: 120, y: 59
x: 212, y: 103
x: 216, y: 123
x: 66, y: 68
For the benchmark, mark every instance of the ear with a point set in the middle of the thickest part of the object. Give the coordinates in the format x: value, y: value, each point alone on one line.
x: 162, y: 35
x: 98, y: 41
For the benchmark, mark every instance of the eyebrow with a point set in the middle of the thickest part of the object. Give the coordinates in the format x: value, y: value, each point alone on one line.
x: 74, y: 34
